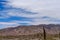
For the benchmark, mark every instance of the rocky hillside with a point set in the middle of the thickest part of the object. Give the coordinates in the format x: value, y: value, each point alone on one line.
x: 28, y: 30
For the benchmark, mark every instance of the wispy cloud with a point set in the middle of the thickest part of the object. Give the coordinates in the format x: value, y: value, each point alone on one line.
x: 45, y: 7
x: 8, y: 24
x: 30, y: 12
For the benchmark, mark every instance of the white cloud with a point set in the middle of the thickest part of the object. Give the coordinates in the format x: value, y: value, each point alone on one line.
x: 13, y: 13
x: 42, y: 7
x: 12, y: 23
x: 49, y: 8
x: 8, y: 24
x: 41, y: 21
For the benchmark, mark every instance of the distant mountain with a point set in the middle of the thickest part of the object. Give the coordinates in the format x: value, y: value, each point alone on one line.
x: 28, y: 30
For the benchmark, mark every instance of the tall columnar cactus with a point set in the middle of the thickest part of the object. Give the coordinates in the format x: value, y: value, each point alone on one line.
x: 59, y: 34
x: 44, y: 33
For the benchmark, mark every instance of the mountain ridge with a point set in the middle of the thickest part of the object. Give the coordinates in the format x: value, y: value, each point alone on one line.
x: 28, y: 30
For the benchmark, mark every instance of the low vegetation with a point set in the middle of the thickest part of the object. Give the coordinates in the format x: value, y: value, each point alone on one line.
x: 37, y: 36
x: 49, y: 33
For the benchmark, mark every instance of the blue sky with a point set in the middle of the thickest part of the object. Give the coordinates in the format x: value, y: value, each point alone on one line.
x: 29, y: 12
